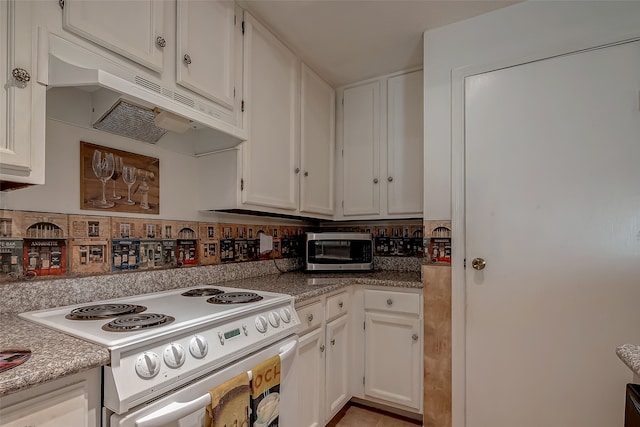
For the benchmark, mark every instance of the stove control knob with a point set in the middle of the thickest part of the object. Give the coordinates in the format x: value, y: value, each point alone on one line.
x: 274, y: 319
x: 174, y: 355
x: 261, y: 324
x: 198, y: 347
x: 285, y: 315
x: 148, y: 364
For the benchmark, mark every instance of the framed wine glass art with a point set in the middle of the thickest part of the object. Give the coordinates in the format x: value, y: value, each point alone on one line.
x: 118, y: 181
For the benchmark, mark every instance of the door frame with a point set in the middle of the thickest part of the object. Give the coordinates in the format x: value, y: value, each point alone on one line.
x: 458, y: 220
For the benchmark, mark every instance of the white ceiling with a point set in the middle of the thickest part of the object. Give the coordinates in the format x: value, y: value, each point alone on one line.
x: 346, y: 41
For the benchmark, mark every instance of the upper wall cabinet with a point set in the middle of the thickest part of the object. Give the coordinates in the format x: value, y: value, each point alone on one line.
x: 22, y: 98
x: 134, y: 29
x: 206, y: 49
x: 286, y: 165
x: 271, y: 84
x: 317, y: 144
x: 380, y: 138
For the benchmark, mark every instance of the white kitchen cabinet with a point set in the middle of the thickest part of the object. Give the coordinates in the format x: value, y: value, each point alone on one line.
x: 22, y: 98
x: 405, y: 132
x: 311, y: 378
x: 380, y: 137
x: 270, y: 156
x: 337, y: 367
x: 287, y: 164
x: 361, y: 150
x: 324, y: 358
x: 70, y: 401
x: 133, y: 29
x: 393, y: 348
x: 317, y: 144
x: 206, y: 48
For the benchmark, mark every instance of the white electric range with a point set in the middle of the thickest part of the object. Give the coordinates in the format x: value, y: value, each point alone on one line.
x: 169, y: 348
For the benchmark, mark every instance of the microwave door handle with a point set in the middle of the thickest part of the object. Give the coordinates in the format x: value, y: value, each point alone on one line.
x: 176, y: 410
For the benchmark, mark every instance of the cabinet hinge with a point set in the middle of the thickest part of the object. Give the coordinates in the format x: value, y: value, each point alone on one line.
x: 61, y: 3
x: 342, y: 101
x: 465, y: 263
x: 242, y: 106
x: 362, y: 380
x: 242, y: 27
x: 364, y: 325
x: 234, y: 93
x: 235, y: 20
x: 342, y: 153
x: 241, y: 184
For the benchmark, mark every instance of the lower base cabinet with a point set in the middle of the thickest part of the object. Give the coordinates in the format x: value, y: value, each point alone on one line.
x: 337, y: 375
x: 311, y: 375
x: 70, y: 401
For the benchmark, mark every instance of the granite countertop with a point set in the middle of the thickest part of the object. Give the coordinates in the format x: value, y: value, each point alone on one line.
x: 55, y: 354
x: 630, y: 355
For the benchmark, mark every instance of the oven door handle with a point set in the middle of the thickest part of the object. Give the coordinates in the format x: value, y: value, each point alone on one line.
x: 176, y: 410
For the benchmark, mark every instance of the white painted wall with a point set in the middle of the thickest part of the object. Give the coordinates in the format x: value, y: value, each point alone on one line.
x: 524, y: 31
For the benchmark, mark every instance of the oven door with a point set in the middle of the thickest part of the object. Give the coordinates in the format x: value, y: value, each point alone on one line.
x: 185, y: 407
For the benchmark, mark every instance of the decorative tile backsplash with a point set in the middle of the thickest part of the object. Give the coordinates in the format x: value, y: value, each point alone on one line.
x: 37, y: 244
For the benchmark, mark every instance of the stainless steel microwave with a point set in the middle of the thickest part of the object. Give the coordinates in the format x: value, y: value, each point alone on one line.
x: 330, y: 251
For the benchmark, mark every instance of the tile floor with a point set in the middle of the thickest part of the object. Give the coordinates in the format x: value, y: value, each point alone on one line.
x: 360, y: 416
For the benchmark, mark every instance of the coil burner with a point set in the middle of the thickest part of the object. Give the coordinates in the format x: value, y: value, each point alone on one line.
x: 234, y: 298
x: 104, y: 311
x: 134, y: 322
x: 202, y: 292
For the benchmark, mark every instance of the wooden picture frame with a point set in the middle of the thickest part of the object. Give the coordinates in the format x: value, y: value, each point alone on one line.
x: 140, y: 193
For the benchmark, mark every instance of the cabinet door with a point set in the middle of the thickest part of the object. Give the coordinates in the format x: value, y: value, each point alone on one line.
x: 361, y: 150
x: 311, y: 379
x: 392, y: 359
x: 317, y: 143
x: 22, y: 103
x: 129, y: 28
x: 206, y: 48
x: 270, y: 166
x: 337, y: 368
x: 404, y: 144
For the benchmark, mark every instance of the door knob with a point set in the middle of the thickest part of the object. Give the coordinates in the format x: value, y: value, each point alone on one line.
x: 478, y: 264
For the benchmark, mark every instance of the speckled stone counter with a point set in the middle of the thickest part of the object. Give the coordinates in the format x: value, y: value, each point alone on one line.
x: 56, y: 355
x: 630, y: 355
x: 306, y: 286
x: 53, y: 354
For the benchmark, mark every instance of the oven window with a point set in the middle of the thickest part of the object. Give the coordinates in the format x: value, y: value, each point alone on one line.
x: 339, y: 251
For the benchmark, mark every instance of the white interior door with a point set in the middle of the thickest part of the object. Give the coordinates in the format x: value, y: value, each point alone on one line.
x: 552, y: 198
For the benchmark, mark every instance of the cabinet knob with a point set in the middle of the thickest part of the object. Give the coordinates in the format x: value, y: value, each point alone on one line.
x: 390, y: 179
x: 414, y: 337
x: 306, y: 173
x: 297, y: 170
x: 187, y: 59
x: 160, y: 41
x: 322, y: 348
x: 375, y: 180
x: 310, y: 318
x: 333, y: 341
x: 389, y: 301
x: 340, y: 304
x: 21, y: 76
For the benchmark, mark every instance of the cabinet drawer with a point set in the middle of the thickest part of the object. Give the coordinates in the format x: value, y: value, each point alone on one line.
x: 311, y: 316
x: 396, y: 302
x: 337, y: 305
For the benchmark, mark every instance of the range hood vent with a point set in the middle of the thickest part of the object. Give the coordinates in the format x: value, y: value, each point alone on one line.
x: 127, y: 103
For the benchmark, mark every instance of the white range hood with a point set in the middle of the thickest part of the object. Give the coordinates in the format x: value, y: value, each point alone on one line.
x: 126, y: 102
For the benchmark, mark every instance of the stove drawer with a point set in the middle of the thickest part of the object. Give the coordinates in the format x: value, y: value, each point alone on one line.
x: 391, y: 301
x: 311, y: 316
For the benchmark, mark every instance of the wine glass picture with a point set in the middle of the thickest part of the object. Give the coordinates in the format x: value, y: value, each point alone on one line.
x: 103, y: 169
x: 118, y: 181
x: 129, y: 178
x: 117, y: 172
